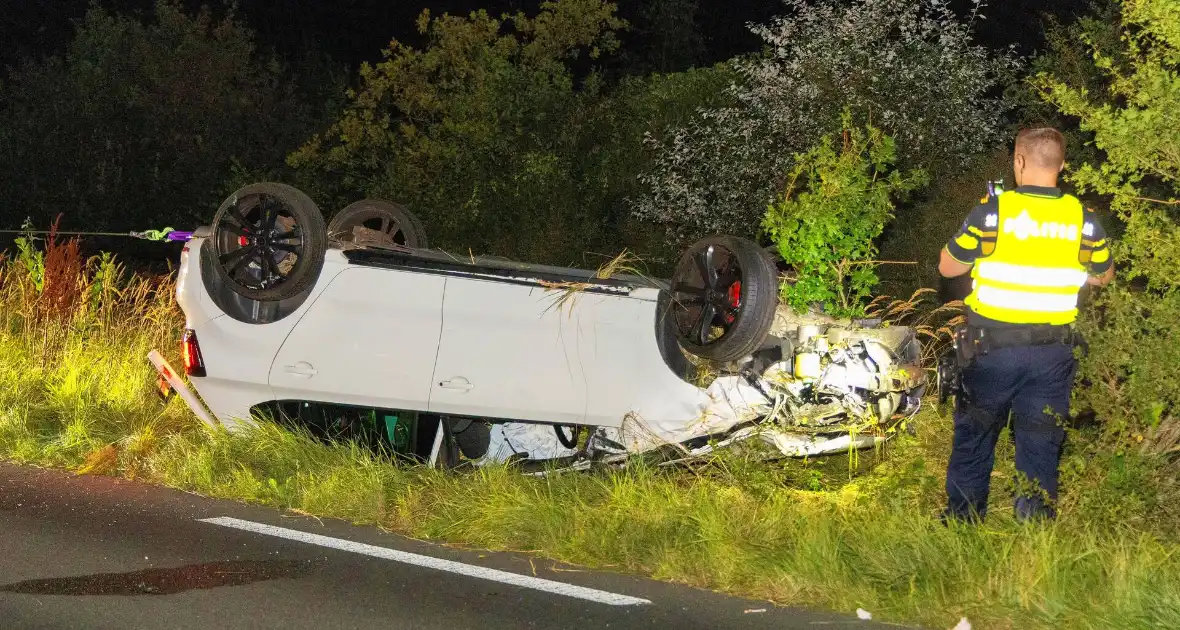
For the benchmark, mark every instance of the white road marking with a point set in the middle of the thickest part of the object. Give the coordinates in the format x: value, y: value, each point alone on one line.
x: 429, y: 562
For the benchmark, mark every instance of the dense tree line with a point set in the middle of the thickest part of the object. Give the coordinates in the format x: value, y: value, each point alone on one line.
x: 138, y: 123
x: 544, y: 134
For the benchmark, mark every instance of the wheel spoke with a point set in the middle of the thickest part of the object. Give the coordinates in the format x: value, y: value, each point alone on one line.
x: 229, y: 257
x: 286, y: 247
x: 294, y: 233
x: 705, y: 266
x: 269, y: 270
x: 246, y: 258
x: 705, y: 324
x: 235, y: 213
x: 290, y: 240
x: 385, y: 225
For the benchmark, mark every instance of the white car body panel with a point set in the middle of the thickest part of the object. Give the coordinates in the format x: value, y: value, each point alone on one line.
x: 624, y: 371
x: 468, y: 344
x: 369, y: 339
x: 239, y: 354
x: 506, y: 354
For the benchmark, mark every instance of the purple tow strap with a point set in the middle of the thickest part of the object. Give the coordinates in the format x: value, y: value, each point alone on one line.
x: 177, y: 235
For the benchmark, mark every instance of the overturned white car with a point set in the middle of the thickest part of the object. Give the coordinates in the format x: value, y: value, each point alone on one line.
x: 359, y: 328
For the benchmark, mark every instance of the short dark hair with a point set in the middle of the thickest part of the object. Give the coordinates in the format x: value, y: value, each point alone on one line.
x: 1043, y: 146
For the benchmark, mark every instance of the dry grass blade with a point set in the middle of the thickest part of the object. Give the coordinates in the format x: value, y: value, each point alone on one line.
x: 624, y: 262
x: 899, y: 310
x: 100, y: 462
x: 61, y: 292
x: 566, y: 292
x: 933, y: 323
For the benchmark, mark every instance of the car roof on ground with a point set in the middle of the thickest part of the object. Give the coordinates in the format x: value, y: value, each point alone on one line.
x: 400, y: 257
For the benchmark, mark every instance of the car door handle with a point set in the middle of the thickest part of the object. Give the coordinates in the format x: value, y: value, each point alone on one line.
x: 301, y: 368
x: 458, y: 383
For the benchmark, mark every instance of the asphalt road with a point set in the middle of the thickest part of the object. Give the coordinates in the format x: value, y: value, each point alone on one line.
x: 96, y: 552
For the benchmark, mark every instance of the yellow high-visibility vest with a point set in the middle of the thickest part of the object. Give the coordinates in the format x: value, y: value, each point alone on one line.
x: 1033, y: 273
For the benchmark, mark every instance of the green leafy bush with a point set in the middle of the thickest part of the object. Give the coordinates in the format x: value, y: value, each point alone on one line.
x: 1134, y: 363
x: 910, y: 65
x: 479, y: 131
x: 825, y: 223
x: 504, y: 135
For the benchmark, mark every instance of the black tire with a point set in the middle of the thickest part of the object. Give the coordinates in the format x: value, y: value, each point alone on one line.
x: 727, y: 283
x: 666, y: 340
x: 402, y: 226
x: 473, y: 439
x: 239, y: 241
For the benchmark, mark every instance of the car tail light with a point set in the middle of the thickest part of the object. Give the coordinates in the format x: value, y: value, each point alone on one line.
x: 194, y: 365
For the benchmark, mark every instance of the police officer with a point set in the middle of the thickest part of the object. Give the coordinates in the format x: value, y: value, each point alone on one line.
x: 1030, y: 251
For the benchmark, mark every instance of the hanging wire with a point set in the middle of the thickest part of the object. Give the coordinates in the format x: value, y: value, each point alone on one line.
x: 65, y: 233
x: 166, y: 234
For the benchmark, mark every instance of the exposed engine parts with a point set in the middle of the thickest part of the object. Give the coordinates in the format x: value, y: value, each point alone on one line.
x: 835, y: 376
x: 816, y: 386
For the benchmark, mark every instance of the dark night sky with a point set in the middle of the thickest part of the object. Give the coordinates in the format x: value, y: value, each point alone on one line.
x: 355, y: 30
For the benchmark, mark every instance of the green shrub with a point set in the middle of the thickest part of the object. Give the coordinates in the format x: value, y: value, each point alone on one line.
x: 1133, y: 368
x: 910, y: 66
x: 479, y: 132
x: 826, y: 222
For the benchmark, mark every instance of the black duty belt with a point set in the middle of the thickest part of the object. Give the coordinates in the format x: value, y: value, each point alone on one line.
x: 992, y: 338
x: 972, y: 341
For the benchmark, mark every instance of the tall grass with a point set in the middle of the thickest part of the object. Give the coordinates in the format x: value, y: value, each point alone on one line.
x: 76, y: 392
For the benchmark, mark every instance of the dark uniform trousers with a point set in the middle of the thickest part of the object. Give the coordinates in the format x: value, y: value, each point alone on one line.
x: 1026, y: 381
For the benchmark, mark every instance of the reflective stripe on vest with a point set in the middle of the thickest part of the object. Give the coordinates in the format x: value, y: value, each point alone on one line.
x: 1027, y: 275
x: 1034, y: 273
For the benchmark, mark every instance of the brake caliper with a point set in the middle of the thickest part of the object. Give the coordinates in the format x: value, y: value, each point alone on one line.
x: 735, y: 301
